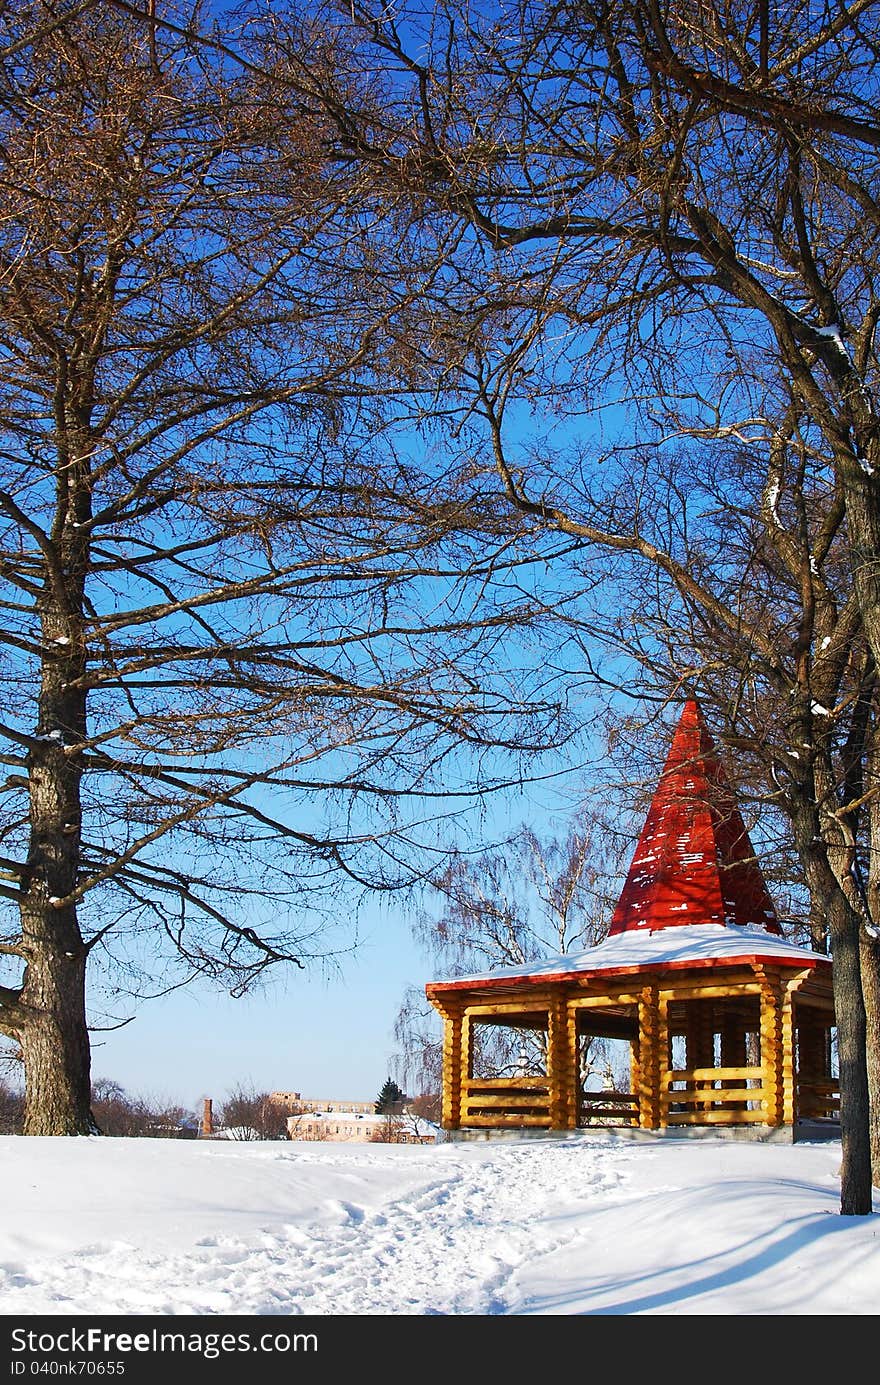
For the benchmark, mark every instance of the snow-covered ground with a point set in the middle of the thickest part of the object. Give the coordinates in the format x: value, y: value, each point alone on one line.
x: 591, y: 1224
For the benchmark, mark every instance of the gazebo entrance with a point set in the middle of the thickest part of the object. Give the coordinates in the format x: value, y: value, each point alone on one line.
x: 727, y: 1023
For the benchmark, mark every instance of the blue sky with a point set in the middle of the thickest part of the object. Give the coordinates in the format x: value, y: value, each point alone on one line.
x: 325, y: 1035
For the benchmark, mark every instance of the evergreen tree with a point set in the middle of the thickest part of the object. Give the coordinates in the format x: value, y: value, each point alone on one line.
x: 390, y: 1099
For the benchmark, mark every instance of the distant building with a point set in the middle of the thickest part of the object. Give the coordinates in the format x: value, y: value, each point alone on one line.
x: 297, y: 1102
x: 352, y: 1122
x: 356, y: 1127
x: 338, y: 1124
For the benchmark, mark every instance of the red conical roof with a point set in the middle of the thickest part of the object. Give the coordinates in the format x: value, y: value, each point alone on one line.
x: 694, y: 862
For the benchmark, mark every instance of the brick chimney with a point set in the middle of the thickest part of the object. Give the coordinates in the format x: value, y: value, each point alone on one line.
x: 207, y: 1119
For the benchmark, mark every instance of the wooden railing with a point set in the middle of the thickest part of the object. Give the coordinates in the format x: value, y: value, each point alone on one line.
x: 690, y: 1096
x: 608, y: 1108
x: 498, y: 1101
x: 818, y: 1099
x: 713, y: 1096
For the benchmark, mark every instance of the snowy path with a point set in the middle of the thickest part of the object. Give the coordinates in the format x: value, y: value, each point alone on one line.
x: 448, y: 1246
x: 163, y: 1228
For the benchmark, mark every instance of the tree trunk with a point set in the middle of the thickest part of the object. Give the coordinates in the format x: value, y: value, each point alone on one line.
x: 844, y: 926
x: 54, y: 1036
x: 870, y: 968
x: 855, y: 1173
x: 55, y: 1041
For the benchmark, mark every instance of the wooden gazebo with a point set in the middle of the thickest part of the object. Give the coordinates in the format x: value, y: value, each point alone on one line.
x: 728, y: 1024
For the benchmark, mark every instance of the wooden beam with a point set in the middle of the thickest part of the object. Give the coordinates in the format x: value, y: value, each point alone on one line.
x: 718, y: 1118
x: 710, y: 1096
x: 503, y: 1121
x: 720, y: 990
x: 607, y: 1000
x: 512, y: 1009
x: 621, y: 1114
x: 498, y: 1000
x: 602, y: 1026
x: 812, y: 1050
x: 511, y: 1101
x: 611, y: 1092
x: 711, y: 1074
x: 664, y: 1055
x: 503, y: 1084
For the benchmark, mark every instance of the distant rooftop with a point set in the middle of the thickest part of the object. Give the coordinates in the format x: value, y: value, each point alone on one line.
x: 310, y: 1103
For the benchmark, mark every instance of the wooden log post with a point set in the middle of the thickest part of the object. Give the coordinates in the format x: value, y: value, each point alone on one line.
x: 465, y: 1063
x: 700, y: 1040
x: 707, y: 1033
x: 562, y: 1064
x: 691, y: 1040
x: 813, y: 1066
x: 772, y: 1047
x: 786, y: 1025
x: 649, y: 1058
x: 707, y: 1040
x: 453, y: 1027
x: 733, y: 1038
x: 698, y: 1034
x: 732, y: 1028
x: 811, y: 1050
x: 634, y: 1076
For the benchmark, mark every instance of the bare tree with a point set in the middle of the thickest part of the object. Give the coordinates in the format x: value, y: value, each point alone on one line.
x: 424, y: 1113
x: 11, y: 1108
x: 116, y: 1113
x: 667, y: 213
x: 517, y: 902
x: 392, y: 1129
x: 245, y: 625
x: 248, y: 1114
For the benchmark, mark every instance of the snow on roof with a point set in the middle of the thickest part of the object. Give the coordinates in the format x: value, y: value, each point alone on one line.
x: 707, y: 944
x: 368, y: 1117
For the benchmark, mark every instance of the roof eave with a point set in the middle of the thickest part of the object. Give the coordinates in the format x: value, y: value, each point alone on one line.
x: 752, y: 959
